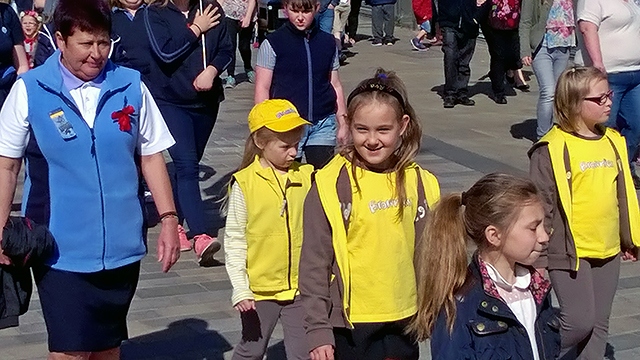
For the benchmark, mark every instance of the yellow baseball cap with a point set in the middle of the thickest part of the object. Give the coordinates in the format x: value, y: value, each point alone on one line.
x: 275, y: 114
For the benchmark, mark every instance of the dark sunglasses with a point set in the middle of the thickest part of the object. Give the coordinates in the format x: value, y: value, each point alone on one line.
x: 601, y: 100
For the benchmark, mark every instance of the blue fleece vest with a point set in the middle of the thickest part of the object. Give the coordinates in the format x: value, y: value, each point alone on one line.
x: 302, y: 74
x: 84, y: 188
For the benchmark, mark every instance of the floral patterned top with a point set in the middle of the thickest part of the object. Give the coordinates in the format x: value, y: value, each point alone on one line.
x: 236, y: 9
x: 560, y: 25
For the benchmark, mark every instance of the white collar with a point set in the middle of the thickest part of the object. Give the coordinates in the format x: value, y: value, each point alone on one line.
x: 523, y: 277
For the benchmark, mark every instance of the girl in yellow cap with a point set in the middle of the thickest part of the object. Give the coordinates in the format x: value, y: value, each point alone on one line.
x: 263, y: 233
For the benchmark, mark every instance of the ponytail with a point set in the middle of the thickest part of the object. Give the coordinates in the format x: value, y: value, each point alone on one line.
x: 441, y: 267
x: 496, y: 199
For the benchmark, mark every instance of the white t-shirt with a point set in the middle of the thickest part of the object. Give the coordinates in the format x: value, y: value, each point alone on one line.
x: 618, y: 24
x: 14, y: 121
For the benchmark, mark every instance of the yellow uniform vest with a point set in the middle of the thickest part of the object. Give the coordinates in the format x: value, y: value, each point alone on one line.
x: 274, y: 205
x: 556, y: 139
x: 378, y: 292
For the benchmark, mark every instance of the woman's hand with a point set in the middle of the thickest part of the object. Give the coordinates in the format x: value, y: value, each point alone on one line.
x: 168, y: 243
x: 526, y: 61
x: 204, y: 80
x: 246, y: 21
x: 322, y: 352
x: 207, y: 20
x: 245, y: 305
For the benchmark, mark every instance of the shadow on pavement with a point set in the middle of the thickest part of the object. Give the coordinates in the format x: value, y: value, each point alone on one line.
x: 480, y: 87
x: 213, y: 204
x: 187, y: 339
x: 276, y: 352
x: 525, y: 130
x: 610, y: 352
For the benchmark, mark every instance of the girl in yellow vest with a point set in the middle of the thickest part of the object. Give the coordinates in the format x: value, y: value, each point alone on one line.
x: 497, y: 306
x: 591, y: 208
x: 263, y: 232
x: 361, y: 217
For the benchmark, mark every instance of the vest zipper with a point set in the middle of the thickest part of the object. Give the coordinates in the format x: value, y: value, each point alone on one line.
x: 286, y: 216
x: 75, y: 109
x: 104, y: 226
x: 285, y: 211
x: 309, y: 76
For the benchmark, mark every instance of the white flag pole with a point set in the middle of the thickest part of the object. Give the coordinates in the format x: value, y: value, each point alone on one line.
x: 204, y: 46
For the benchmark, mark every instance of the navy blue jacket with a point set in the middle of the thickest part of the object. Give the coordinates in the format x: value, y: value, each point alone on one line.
x: 177, y: 54
x: 324, y: 4
x: 26, y: 244
x: 485, y: 327
x: 302, y: 74
x: 130, y: 47
x: 460, y: 14
x: 46, y: 44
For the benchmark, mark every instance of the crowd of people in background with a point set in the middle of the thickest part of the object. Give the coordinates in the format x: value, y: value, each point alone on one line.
x: 94, y: 91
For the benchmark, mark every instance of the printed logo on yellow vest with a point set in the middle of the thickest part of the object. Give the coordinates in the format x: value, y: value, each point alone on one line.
x: 586, y: 165
x: 386, y: 204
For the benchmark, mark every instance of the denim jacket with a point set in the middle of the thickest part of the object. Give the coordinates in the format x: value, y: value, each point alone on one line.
x: 485, y: 328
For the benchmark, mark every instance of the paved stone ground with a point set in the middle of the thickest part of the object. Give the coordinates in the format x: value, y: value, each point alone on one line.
x: 186, y: 314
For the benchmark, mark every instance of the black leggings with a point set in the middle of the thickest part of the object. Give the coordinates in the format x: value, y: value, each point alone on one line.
x: 375, y: 341
x: 352, y: 21
x: 504, y: 49
x: 240, y: 37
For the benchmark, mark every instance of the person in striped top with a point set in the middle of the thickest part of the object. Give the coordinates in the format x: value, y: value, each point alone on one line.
x: 263, y: 232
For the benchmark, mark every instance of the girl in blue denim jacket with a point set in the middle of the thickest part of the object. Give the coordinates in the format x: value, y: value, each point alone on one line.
x: 498, y: 306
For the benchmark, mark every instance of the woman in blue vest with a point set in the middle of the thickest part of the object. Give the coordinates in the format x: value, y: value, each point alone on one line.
x: 81, y: 123
x: 13, y: 58
x: 187, y: 86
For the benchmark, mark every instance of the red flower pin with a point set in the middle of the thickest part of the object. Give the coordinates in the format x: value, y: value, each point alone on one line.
x: 123, y: 117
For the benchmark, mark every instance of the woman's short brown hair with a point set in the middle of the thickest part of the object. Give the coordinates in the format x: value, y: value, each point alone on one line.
x: 304, y: 5
x: 92, y: 16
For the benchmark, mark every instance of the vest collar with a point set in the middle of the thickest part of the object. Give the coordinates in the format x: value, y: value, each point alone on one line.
x: 51, y: 80
x: 311, y: 32
x: 292, y: 177
x: 72, y: 82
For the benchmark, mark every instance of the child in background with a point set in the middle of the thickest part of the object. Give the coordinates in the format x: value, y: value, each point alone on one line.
x: 591, y: 209
x: 241, y: 17
x: 364, y: 211
x: 340, y: 16
x: 498, y: 306
x: 424, y: 14
x: 383, y: 20
x: 282, y: 72
x: 263, y: 233
x: 30, y: 21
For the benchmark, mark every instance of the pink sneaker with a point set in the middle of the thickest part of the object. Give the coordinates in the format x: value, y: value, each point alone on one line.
x: 185, y: 244
x: 205, y: 247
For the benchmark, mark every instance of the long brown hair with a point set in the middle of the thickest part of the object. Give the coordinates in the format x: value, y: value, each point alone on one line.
x: 496, y: 199
x: 261, y: 136
x: 396, y: 97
